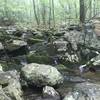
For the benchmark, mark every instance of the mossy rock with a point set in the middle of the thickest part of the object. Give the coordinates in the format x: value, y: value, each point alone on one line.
x: 10, y: 66
x: 33, y: 41
x: 41, y: 59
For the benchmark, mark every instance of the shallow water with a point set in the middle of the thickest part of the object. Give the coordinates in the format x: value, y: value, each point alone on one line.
x: 33, y: 93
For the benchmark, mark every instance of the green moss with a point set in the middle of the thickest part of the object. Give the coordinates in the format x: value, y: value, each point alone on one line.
x: 33, y: 41
x: 10, y: 66
x: 33, y: 58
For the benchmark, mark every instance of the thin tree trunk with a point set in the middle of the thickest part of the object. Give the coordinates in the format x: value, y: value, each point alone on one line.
x: 49, y: 13
x: 90, y: 4
x: 82, y: 11
x: 53, y: 7
x: 36, y: 17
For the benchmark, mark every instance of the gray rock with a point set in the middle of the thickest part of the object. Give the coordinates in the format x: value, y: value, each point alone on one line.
x: 41, y: 75
x: 50, y: 92
x: 1, y: 46
x: 74, y: 79
x: 96, y: 60
x: 11, y: 86
x: 84, y: 91
x: 61, y: 45
x: 16, y: 44
x: 3, y: 96
x: 1, y: 69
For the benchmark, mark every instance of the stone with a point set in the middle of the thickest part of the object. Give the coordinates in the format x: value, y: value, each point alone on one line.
x: 50, y: 92
x: 61, y: 45
x: 19, y: 43
x: 1, y: 69
x: 11, y: 84
x: 42, y: 75
x: 3, y: 96
x: 1, y: 46
x: 91, y: 90
x: 84, y: 91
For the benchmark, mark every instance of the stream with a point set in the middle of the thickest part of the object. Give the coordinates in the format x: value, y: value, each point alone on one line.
x: 32, y: 93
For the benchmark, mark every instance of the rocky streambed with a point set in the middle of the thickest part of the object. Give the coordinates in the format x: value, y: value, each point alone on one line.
x: 44, y: 82
x: 43, y: 64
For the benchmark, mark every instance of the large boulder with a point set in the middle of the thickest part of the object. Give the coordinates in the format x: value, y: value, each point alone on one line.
x: 10, y: 85
x: 41, y: 75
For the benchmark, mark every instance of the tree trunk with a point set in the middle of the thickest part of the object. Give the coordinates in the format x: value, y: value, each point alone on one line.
x: 49, y: 13
x: 36, y: 17
x: 53, y: 13
x: 82, y: 11
x: 90, y: 4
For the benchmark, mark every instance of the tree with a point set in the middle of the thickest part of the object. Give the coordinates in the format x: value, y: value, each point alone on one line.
x: 35, y: 13
x: 82, y: 11
x: 50, y: 13
x: 90, y: 7
x: 53, y: 12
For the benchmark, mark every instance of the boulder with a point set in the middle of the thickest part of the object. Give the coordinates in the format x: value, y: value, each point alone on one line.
x: 60, y: 45
x: 96, y: 60
x: 10, y: 84
x: 50, y: 92
x: 1, y: 69
x: 3, y: 96
x: 1, y: 46
x: 41, y: 59
x: 42, y: 75
x: 71, y: 57
x: 16, y: 44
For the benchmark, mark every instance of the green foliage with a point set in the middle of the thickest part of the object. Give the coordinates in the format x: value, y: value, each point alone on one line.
x: 64, y: 10
x: 41, y: 59
x: 33, y: 41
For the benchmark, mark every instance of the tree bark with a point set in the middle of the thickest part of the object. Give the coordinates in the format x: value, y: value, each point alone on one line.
x: 36, y: 17
x: 82, y: 11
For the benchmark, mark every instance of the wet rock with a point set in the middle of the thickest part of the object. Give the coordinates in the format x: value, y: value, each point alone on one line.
x: 75, y: 27
x: 16, y: 44
x: 19, y: 43
x: 96, y: 60
x: 50, y: 92
x: 41, y: 59
x: 38, y: 34
x: 74, y: 79
x: 59, y: 33
x: 71, y: 57
x: 33, y: 41
x: 1, y: 69
x: 84, y: 91
x: 3, y: 96
x: 90, y: 90
x: 61, y: 45
x: 1, y: 46
x: 41, y: 75
x: 75, y: 96
x: 11, y: 84
x: 15, y: 48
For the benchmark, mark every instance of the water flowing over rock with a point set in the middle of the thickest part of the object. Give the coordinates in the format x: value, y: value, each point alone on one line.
x: 41, y: 75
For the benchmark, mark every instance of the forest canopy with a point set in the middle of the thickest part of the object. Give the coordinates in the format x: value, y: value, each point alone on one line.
x: 46, y: 12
